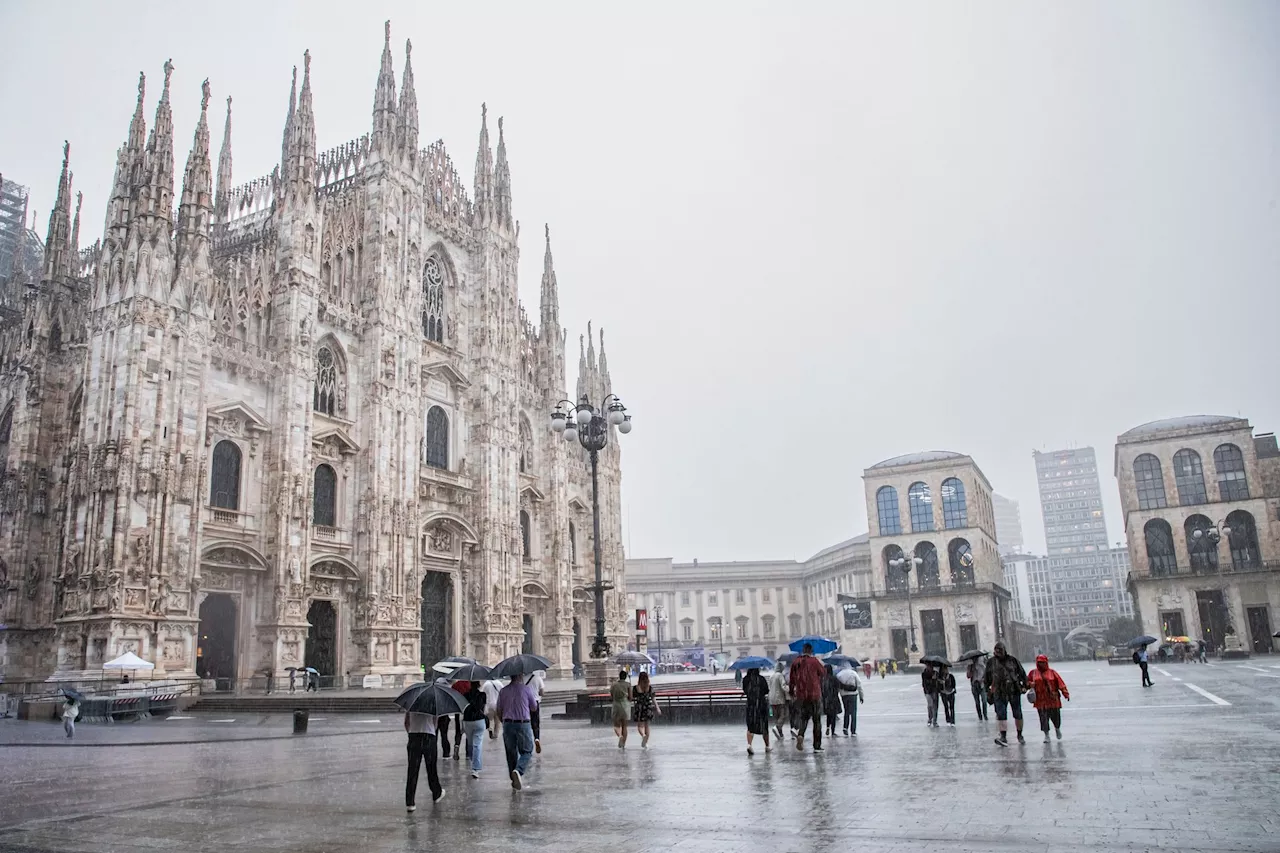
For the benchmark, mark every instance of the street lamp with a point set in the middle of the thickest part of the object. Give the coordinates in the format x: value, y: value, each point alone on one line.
x: 659, y: 616
x: 905, y: 564
x: 590, y: 428
x: 1214, y: 535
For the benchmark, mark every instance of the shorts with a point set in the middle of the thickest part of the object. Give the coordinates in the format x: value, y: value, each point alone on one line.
x: 1004, y: 706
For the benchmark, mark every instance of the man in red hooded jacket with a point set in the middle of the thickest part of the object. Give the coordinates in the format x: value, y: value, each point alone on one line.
x: 1049, y: 690
x: 806, y: 688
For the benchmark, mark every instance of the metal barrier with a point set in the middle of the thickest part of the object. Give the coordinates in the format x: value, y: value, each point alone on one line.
x: 111, y: 707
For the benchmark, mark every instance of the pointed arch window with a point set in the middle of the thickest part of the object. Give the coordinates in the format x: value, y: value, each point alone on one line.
x: 325, y: 399
x: 436, y: 446
x: 324, y: 502
x: 1189, y: 476
x: 920, y: 502
x: 573, y: 545
x: 6, y: 430
x: 526, y: 446
x: 526, y: 549
x: 955, y: 511
x: 887, y: 511
x: 55, y: 337
x: 1228, y: 461
x: 1149, y: 479
x: 224, y: 479
x: 433, y: 284
x: 1160, y: 555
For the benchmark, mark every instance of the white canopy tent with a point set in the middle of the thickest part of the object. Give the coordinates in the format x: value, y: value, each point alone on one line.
x: 128, y: 660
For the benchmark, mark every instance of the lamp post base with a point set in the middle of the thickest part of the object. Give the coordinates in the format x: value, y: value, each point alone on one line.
x: 599, y: 672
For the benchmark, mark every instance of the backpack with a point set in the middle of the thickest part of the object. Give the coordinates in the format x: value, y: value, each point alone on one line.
x: 1135, y: 658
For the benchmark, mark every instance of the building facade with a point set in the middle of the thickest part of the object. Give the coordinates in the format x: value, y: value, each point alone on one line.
x: 1008, y: 524
x: 299, y: 421
x: 13, y: 223
x: 1201, y: 499
x: 1071, y: 501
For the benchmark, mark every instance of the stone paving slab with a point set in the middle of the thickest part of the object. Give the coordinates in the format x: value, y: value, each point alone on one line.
x: 1160, y: 769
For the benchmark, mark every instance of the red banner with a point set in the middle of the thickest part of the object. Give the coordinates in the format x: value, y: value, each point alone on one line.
x: 642, y: 621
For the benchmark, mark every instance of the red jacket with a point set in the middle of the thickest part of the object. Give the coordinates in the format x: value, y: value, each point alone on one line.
x: 1049, y: 688
x: 806, y: 678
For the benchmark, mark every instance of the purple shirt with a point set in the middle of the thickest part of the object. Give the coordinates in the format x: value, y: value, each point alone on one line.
x: 517, y: 701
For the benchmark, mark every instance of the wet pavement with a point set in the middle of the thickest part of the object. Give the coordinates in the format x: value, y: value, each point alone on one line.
x: 1190, y: 764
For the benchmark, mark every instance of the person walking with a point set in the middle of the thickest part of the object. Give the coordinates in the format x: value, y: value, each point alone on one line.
x: 1006, y: 681
x: 516, y: 704
x: 70, y: 712
x: 494, y: 722
x: 421, y: 729
x: 778, y: 697
x: 643, y: 707
x: 883, y: 670
x: 947, y: 693
x: 757, y: 691
x: 975, y: 672
x: 1202, y: 650
x: 1047, y: 692
x: 932, y: 687
x: 850, y: 697
x: 737, y: 677
x: 474, y: 723
x: 620, y: 696
x: 537, y: 681
x: 831, y: 704
x: 1140, y: 658
x: 806, y: 689
x: 293, y: 679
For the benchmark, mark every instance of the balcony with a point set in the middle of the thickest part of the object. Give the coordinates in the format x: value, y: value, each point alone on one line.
x: 229, y: 522
x: 332, y: 537
x: 1223, y: 569
x: 925, y: 592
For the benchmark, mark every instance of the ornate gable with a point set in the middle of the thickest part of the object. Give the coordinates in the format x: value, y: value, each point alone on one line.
x: 236, y: 418
x: 333, y: 443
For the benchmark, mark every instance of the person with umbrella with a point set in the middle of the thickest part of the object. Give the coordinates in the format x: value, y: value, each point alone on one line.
x: 850, y: 696
x: 806, y: 690
x: 932, y: 688
x: 1006, y: 681
x: 975, y: 672
x: 70, y: 711
x: 1140, y: 656
x: 757, y: 692
x: 293, y: 678
x: 620, y: 702
x: 778, y: 698
x: 831, y: 704
x: 424, y: 704
x: 516, y: 705
x: 947, y: 694
x: 473, y: 721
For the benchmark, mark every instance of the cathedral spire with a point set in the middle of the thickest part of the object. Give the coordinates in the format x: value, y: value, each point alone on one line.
x: 288, y: 119
x: 484, y: 171
x: 197, y: 183
x: 299, y: 171
x: 502, y: 183
x: 604, y: 366
x: 57, y: 245
x: 129, y: 164
x: 550, y: 301
x: 223, y: 205
x: 157, y: 195
x: 591, y: 349
x: 75, y: 224
x: 384, y: 96
x: 407, y: 129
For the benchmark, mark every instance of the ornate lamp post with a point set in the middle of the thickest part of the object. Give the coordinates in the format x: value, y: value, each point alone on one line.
x: 659, y: 616
x: 1214, y: 535
x: 588, y: 426
x: 905, y: 564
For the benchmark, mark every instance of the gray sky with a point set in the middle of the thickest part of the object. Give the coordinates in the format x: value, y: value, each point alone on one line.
x: 817, y: 235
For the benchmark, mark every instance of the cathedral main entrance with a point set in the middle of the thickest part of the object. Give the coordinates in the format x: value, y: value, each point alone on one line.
x: 216, y: 649
x: 437, y: 605
x: 322, y: 639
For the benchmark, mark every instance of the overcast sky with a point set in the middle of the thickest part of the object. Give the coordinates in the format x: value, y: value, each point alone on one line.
x: 817, y: 235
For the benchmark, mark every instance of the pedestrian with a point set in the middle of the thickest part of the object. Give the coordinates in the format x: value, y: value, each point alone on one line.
x: 866, y: 669
x: 1006, y: 681
x: 474, y: 722
x: 421, y: 729
x: 831, y: 703
x: 883, y: 670
x: 313, y: 682
x: 1140, y: 658
x: 850, y: 696
x: 778, y: 697
x: 537, y: 681
x: 443, y: 723
x: 737, y: 677
x: 806, y: 689
x: 516, y: 703
x: 947, y: 693
x: 1203, y: 649
x: 643, y: 707
x: 620, y: 696
x: 70, y: 712
x: 975, y: 672
x: 293, y: 679
x: 932, y: 687
x: 759, y: 695
x: 1046, y: 693
x: 460, y: 742
x: 492, y: 720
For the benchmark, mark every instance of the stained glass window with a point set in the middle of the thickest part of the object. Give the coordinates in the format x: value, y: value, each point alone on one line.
x: 326, y: 390
x: 433, y: 300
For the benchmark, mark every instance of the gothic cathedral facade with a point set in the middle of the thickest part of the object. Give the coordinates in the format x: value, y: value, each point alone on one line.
x: 301, y: 421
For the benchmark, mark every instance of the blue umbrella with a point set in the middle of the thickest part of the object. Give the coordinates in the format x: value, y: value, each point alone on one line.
x: 752, y: 663
x: 821, y: 645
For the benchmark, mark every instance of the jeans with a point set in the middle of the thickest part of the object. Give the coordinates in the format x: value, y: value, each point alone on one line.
x: 949, y: 707
x: 517, y: 739
x: 1050, y: 715
x: 1004, y: 706
x: 69, y: 726
x: 850, y: 702
x: 980, y: 700
x: 931, y: 700
x: 422, y: 747
x: 475, y: 741
x: 810, y: 709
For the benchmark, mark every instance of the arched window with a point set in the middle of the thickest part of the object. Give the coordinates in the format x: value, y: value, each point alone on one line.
x: 927, y: 575
x: 1150, y: 482
x: 1189, y: 474
x: 55, y: 337
x: 324, y: 503
x: 433, y: 300
x: 325, y: 398
x: 1228, y: 461
x: 573, y: 545
x: 1202, y: 550
x: 436, y: 446
x: 526, y: 446
x: 224, y: 480
x: 6, y: 430
x: 1243, y: 539
x: 1160, y: 555
x: 887, y: 511
x: 895, y: 579
x: 960, y: 560
x: 955, y: 512
x: 526, y: 549
x: 920, y: 502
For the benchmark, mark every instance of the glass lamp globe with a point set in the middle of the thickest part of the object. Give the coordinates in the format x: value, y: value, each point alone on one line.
x: 616, y: 416
x: 571, y: 433
x: 558, y: 422
x: 584, y: 416
x: 625, y: 426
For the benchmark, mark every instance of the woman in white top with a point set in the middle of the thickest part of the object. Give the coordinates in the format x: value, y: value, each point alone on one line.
x: 69, y: 713
x: 491, y: 690
x: 778, y: 697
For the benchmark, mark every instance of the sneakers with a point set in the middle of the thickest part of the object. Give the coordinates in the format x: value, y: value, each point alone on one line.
x: 1002, y: 741
x: 817, y: 747
x: 438, y: 797
x: 537, y: 746
x: 644, y: 742
x: 768, y: 748
x: 411, y: 808
x: 1046, y: 737
x: 750, y: 751
x: 1058, y: 732
x: 517, y: 781
x: 1021, y: 739
x: 456, y: 755
x: 799, y: 745
x: 475, y: 774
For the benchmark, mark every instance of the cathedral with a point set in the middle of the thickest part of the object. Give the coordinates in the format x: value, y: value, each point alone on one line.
x: 297, y: 422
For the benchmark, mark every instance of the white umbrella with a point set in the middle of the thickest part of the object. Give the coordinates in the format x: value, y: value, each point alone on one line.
x: 128, y: 660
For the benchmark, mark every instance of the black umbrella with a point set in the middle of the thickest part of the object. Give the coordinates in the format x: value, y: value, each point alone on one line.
x: 458, y: 659
x: 972, y: 654
x: 436, y: 699
x: 788, y: 657
x: 936, y: 660
x: 520, y: 665
x: 838, y: 661
x: 290, y: 669
x: 633, y: 659
x: 1144, y: 640
x: 469, y: 672
x: 74, y: 695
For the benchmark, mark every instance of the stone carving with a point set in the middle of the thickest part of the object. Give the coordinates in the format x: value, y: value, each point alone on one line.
x: 34, y: 574
x: 133, y: 597
x: 965, y: 612
x: 156, y: 594
x: 441, y: 539
x: 896, y: 616
x: 295, y: 568
x: 228, y: 556
x: 114, y: 584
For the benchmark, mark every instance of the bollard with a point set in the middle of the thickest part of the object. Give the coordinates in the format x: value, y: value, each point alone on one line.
x: 300, y: 718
